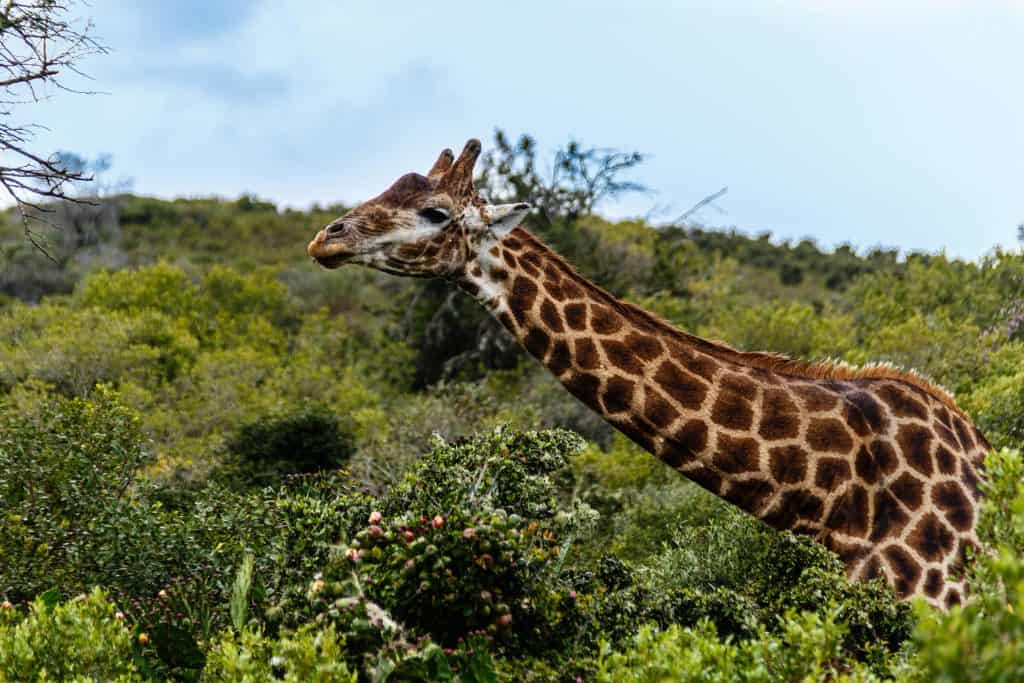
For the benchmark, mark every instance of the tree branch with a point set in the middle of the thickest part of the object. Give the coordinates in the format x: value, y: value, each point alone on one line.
x: 701, y: 204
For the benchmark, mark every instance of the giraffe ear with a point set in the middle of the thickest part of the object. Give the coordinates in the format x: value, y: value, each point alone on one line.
x: 503, y: 218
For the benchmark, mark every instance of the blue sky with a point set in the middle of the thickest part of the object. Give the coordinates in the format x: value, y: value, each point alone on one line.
x: 871, y: 122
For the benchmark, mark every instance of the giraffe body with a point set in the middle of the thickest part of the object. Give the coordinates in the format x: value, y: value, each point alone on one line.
x: 876, y: 464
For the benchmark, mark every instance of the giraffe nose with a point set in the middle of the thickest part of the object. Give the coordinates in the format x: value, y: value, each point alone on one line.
x: 335, y: 228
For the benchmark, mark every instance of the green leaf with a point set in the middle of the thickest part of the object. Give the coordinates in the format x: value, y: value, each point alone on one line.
x: 50, y: 598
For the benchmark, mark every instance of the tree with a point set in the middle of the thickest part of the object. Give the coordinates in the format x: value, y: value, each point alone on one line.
x: 91, y: 211
x: 578, y: 179
x: 40, y: 43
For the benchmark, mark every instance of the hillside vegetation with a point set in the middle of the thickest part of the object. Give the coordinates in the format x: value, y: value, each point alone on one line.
x: 220, y: 462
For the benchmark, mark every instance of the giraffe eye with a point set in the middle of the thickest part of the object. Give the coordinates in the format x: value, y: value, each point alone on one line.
x: 434, y: 215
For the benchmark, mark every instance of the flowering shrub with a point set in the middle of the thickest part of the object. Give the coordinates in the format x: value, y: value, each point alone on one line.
x: 477, y: 549
x: 450, y: 576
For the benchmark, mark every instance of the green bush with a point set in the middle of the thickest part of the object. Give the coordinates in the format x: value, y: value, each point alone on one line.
x: 305, y: 442
x: 807, y: 647
x: 999, y: 405
x: 73, y: 349
x: 504, y: 470
x: 795, y: 329
x: 739, y: 574
x: 471, y: 541
x: 63, y: 472
x: 314, y: 655
x: 84, y: 639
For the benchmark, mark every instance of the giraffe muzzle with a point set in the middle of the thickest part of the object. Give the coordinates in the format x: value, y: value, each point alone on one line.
x: 328, y: 250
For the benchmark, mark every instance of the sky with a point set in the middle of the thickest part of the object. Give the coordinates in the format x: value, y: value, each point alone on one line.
x: 873, y: 122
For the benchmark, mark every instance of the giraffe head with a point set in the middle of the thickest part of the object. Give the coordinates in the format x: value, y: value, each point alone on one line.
x: 421, y: 226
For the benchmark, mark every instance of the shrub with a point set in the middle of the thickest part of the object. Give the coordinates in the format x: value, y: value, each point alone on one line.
x: 161, y: 287
x: 795, y: 329
x: 450, y: 576
x: 74, y: 349
x: 80, y: 640
x: 807, y: 647
x: 310, y: 654
x: 62, y: 472
x: 733, y: 560
x: 504, y: 470
x: 303, y: 442
x: 470, y: 541
x: 999, y: 405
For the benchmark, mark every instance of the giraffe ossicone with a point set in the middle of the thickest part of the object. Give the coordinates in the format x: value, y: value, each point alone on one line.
x: 875, y: 463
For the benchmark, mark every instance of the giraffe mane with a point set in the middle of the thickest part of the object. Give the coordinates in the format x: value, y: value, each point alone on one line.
x: 772, y: 362
x: 828, y: 369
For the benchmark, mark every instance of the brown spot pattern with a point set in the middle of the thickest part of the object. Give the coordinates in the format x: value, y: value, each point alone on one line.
x: 620, y: 356
x: 901, y: 402
x: 691, y: 439
x: 732, y: 410
x: 815, y: 399
x: 850, y: 513
x: 550, y: 317
x: 788, y: 464
x: 906, y: 569
x: 954, y: 505
x: 686, y: 389
x: 576, y: 316
x: 603, y: 320
x: 932, y: 539
x: 618, y: 394
x: 656, y: 409
x: 749, y: 494
x: 586, y: 354
x: 780, y: 417
x: 831, y: 473
x: 734, y: 455
x: 890, y: 517
x: 829, y: 434
x: 915, y: 442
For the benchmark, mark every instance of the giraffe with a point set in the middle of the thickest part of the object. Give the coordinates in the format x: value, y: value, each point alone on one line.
x: 877, y: 464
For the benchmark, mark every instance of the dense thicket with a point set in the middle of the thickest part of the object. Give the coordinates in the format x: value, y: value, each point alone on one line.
x: 217, y: 460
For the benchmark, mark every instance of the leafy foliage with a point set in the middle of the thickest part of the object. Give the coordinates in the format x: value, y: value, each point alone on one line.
x: 276, y: 473
x: 84, y: 639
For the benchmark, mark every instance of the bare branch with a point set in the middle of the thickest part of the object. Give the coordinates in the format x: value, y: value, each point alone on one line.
x: 39, y: 41
x: 701, y: 204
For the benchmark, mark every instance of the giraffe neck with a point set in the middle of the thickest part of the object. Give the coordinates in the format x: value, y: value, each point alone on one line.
x: 646, y: 378
x: 877, y: 468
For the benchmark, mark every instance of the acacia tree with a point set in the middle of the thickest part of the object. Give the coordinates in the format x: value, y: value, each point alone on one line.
x: 577, y: 179
x: 41, y: 44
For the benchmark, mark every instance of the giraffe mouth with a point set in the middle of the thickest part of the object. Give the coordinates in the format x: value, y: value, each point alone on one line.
x: 329, y: 253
